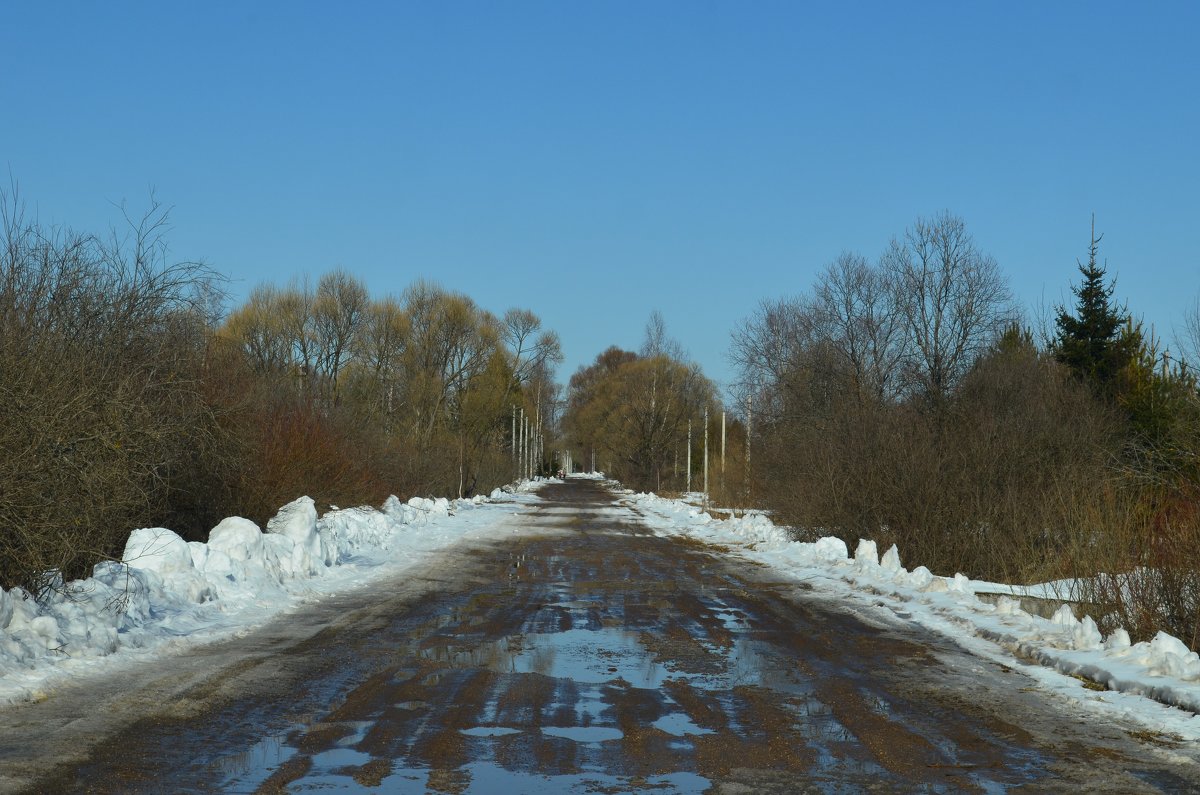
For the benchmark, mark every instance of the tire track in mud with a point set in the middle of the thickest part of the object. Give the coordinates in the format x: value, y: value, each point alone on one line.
x: 584, y: 654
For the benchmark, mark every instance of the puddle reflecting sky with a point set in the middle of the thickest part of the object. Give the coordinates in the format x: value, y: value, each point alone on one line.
x: 585, y: 692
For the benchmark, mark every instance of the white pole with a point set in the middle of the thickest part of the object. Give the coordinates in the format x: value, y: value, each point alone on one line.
x: 722, y: 444
x: 689, y: 457
x: 749, y: 416
x: 706, y: 452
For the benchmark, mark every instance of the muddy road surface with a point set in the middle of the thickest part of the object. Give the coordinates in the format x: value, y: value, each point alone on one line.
x: 578, y: 653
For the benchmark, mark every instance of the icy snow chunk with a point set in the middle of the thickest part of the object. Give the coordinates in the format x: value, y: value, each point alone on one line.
x: 157, y: 549
x: 867, y: 554
x: 831, y: 549
x: 961, y: 584
x: 399, y: 512
x: 1118, y: 640
x: 936, y: 585
x: 199, y: 552
x: 6, y: 608
x: 1173, y: 658
x: 238, y: 538
x: 351, y: 529
x: 297, y: 521
x: 920, y: 578
x: 1006, y: 606
x: 45, y: 630
x: 891, y: 560
x: 1087, y: 635
x: 1065, y: 617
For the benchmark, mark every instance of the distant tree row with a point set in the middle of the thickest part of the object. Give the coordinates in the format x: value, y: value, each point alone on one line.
x: 634, y: 411
x: 128, y: 400
x: 430, y: 376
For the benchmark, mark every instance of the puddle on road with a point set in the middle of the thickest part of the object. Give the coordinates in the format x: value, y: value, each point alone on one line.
x: 584, y: 734
x: 490, y: 731
x: 679, y: 725
x: 486, y: 778
x: 592, y: 695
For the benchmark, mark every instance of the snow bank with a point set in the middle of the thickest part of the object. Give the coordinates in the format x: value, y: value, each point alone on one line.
x: 166, y: 592
x: 1162, y: 669
x: 588, y: 476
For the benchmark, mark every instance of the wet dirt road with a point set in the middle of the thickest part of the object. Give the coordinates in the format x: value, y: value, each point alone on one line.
x: 580, y: 654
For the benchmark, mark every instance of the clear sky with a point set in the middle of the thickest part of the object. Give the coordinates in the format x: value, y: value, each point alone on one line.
x: 597, y: 161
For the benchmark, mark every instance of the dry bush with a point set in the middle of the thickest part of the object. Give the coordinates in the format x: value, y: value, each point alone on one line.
x: 297, y: 450
x: 102, y: 418
x: 986, y: 487
x: 1139, y: 567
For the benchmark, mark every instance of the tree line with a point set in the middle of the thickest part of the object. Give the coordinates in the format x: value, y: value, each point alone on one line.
x: 906, y: 400
x: 130, y: 397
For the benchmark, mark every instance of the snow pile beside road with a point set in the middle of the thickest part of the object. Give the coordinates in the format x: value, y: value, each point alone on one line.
x: 1163, y: 669
x: 166, y: 592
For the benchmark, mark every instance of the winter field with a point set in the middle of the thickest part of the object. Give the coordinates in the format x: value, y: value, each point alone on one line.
x: 168, y: 595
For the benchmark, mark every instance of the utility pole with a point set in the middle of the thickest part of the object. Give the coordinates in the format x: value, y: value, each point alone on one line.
x: 749, y: 414
x: 722, y: 445
x: 706, y: 453
x: 689, y: 457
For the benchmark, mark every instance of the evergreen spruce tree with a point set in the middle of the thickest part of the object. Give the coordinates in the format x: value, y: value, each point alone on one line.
x: 1089, y: 341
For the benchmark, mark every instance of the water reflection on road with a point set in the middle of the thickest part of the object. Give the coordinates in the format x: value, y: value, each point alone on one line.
x: 587, y: 656
x: 598, y: 665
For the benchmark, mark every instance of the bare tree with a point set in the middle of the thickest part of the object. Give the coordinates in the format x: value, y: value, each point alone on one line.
x: 295, y: 307
x: 257, y: 328
x: 657, y: 342
x: 1188, y: 339
x: 530, y: 347
x: 863, y: 321
x: 339, y: 311
x: 952, y: 299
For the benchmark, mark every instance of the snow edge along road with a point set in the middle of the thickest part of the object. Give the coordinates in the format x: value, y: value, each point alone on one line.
x: 167, y: 595
x: 1156, y: 683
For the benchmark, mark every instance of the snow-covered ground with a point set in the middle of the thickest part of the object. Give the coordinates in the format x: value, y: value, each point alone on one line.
x: 167, y: 595
x: 1156, y: 683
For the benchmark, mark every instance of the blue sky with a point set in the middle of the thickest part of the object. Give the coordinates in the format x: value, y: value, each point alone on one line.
x: 597, y: 161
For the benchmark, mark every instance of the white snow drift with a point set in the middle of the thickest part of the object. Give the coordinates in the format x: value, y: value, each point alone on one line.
x: 166, y: 592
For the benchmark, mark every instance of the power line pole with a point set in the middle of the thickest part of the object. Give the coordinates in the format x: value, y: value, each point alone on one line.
x: 706, y: 453
x: 722, y: 445
x: 689, y: 457
x: 749, y: 414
